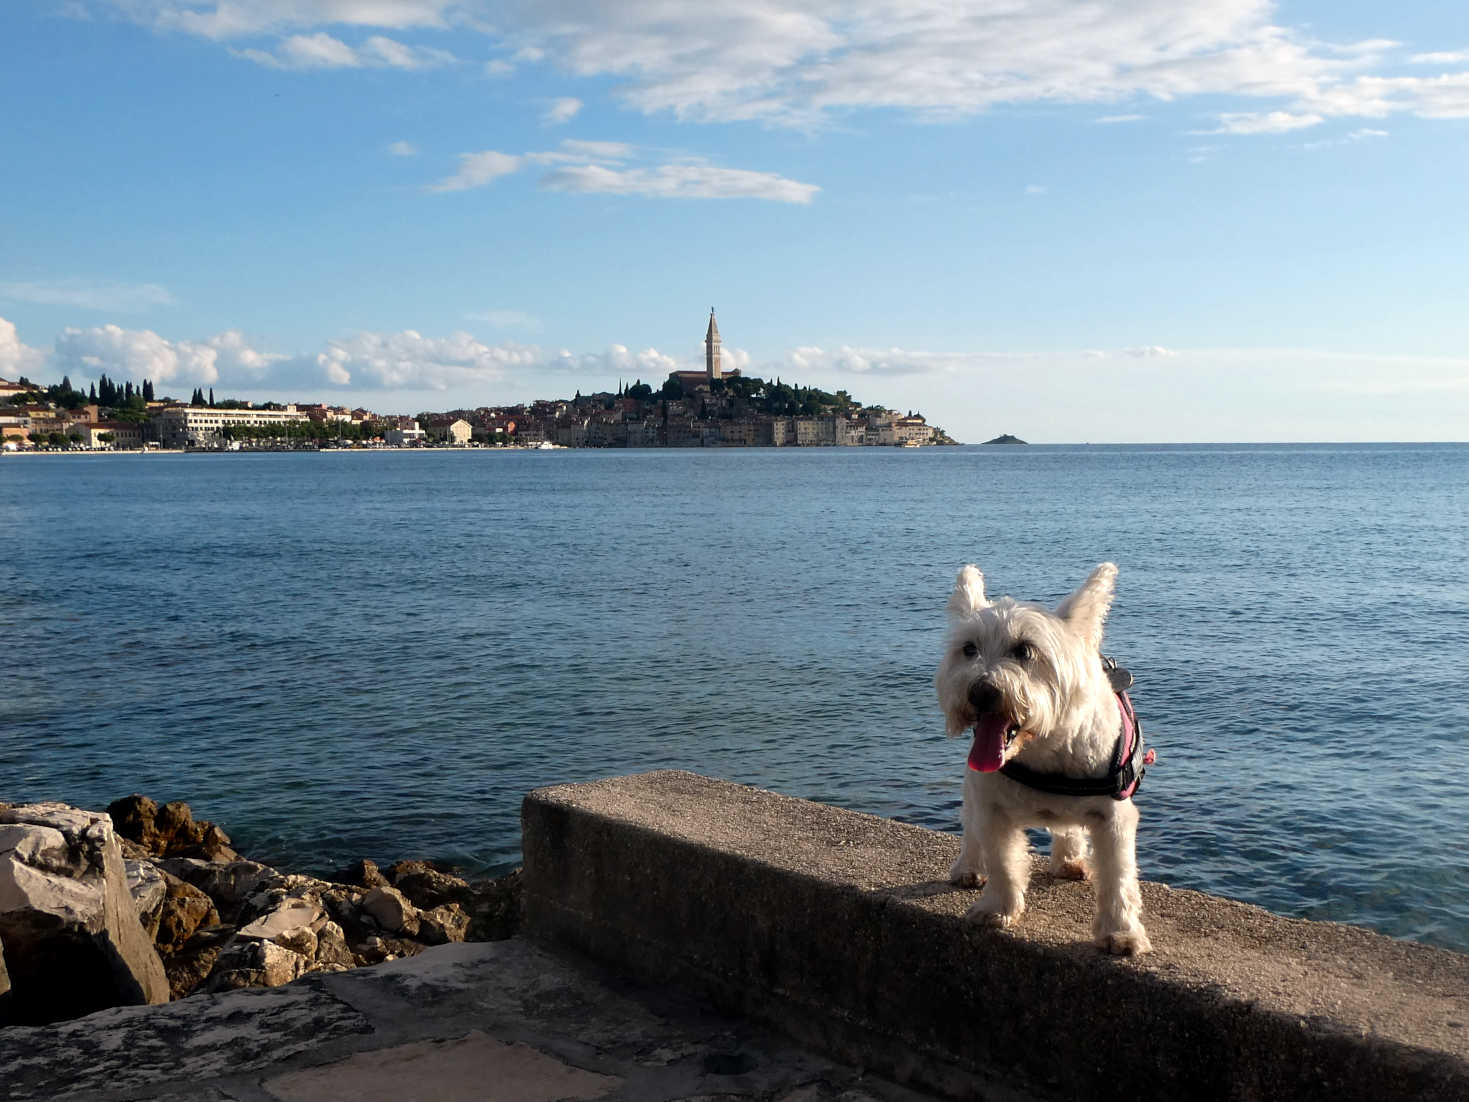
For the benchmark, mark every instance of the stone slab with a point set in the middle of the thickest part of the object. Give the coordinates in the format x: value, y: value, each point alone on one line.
x: 457, y: 1069
x: 842, y: 929
x: 507, y: 1018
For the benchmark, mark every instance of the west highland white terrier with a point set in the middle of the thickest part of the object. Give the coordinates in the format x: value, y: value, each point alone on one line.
x: 1055, y: 746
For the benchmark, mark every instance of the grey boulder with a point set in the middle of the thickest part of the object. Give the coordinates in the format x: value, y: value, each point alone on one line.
x: 72, y: 939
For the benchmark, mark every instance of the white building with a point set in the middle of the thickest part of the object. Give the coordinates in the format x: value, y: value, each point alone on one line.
x: 199, y: 426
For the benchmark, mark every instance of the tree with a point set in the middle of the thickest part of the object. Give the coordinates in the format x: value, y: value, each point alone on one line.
x: 147, y: 390
x: 672, y: 388
x: 211, y: 397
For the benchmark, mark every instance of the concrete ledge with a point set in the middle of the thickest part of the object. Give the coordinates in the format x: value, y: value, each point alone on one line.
x: 841, y: 929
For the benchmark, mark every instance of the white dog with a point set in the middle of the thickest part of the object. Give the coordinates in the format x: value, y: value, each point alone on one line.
x: 1055, y: 746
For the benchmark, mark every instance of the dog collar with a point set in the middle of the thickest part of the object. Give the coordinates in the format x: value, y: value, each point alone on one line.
x: 1129, y: 760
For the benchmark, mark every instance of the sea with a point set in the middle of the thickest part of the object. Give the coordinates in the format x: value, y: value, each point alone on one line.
x: 377, y: 654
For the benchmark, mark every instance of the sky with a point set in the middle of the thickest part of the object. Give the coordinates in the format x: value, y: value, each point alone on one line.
x: 1071, y: 220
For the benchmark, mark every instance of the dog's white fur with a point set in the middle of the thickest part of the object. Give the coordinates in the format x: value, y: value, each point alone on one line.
x: 1058, y: 698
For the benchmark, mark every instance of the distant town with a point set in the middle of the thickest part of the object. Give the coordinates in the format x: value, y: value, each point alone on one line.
x: 709, y: 408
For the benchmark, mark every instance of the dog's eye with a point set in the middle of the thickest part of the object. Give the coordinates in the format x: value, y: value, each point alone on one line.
x: 1023, y: 652
x: 970, y: 650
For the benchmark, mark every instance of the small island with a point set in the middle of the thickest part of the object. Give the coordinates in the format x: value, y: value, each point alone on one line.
x: 1005, y: 439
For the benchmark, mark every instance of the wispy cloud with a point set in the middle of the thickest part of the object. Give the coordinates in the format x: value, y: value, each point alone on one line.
x: 1352, y: 137
x: 403, y: 149
x: 684, y: 180
x: 562, y: 110
x: 479, y: 169
x: 1110, y: 120
x: 121, y: 298
x: 616, y: 168
x: 805, y: 63
x: 1269, y: 122
x: 322, y: 51
x: 1441, y: 57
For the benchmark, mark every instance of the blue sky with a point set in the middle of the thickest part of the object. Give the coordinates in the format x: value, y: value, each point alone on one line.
x: 1146, y: 221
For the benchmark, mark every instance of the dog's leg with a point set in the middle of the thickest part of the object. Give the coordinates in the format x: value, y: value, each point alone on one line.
x: 1118, y: 927
x: 1007, y: 857
x: 1068, y: 854
x: 968, y: 870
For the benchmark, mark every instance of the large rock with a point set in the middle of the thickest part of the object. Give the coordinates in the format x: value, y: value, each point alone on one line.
x: 149, y: 891
x: 185, y: 910
x: 170, y: 830
x: 72, y: 939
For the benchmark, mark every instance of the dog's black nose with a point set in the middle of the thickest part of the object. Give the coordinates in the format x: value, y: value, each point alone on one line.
x: 984, y: 698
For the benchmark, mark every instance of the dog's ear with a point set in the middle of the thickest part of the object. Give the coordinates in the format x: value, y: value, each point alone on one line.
x: 1086, y: 609
x: 968, y: 596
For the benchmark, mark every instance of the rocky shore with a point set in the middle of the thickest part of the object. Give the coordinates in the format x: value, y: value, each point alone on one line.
x: 145, y: 904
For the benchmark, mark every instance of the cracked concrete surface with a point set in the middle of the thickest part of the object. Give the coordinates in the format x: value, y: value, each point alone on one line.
x: 496, y: 1020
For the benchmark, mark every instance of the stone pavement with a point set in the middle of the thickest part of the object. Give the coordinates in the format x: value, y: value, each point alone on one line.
x: 478, y: 1021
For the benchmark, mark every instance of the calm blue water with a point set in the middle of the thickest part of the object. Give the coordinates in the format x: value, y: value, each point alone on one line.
x: 343, y: 655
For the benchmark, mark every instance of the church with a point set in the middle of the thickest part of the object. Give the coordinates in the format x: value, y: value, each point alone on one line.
x: 694, y: 380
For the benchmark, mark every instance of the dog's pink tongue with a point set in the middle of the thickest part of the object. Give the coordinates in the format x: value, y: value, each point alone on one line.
x: 988, y: 752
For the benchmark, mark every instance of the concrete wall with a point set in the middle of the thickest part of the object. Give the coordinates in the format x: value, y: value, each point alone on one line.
x: 841, y: 929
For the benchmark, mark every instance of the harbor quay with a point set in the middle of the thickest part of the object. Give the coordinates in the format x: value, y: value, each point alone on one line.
x: 685, y: 937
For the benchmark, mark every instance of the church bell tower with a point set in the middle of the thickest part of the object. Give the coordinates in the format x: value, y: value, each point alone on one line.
x: 711, y: 350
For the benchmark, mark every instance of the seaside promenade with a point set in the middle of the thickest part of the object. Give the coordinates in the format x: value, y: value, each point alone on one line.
x: 690, y: 938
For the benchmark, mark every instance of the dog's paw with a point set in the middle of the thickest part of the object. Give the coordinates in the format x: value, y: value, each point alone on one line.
x: 1071, y: 869
x: 990, y: 912
x: 1125, y: 943
x: 962, y: 876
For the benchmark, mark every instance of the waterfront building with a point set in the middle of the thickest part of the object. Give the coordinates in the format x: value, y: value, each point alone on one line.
x: 460, y: 432
x: 912, y: 430
x: 200, y: 426
x: 405, y: 432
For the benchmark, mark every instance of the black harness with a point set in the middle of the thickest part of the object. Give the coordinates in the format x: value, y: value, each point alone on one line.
x: 1129, y: 761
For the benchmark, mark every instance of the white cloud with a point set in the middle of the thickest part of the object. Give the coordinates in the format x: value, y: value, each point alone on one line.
x: 122, y: 298
x: 1036, y: 189
x: 1269, y: 122
x: 602, y: 168
x: 574, y: 151
x: 1441, y: 57
x: 134, y: 354
x: 1361, y: 134
x: 403, y: 149
x: 498, y: 68
x: 478, y: 169
x: 1110, y: 120
x: 381, y: 51
x: 17, y: 358
x: 225, y: 19
x: 804, y: 62
x: 684, y: 180
x: 409, y: 360
x: 236, y: 361
x: 322, y: 51
x: 884, y: 361
x: 1148, y: 352
x: 561, y: 110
